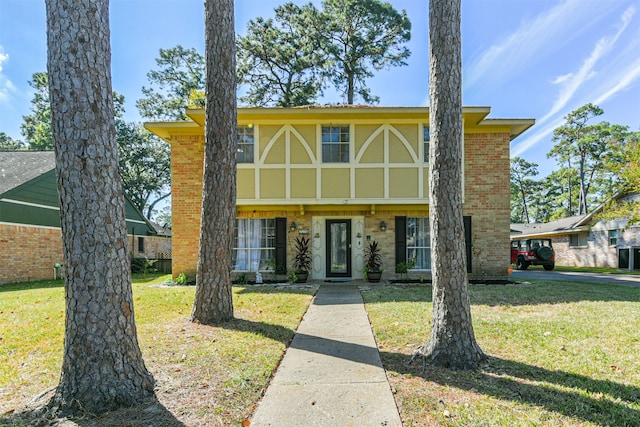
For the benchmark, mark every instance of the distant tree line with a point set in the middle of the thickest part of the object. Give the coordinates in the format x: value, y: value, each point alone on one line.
x: 596, y: 161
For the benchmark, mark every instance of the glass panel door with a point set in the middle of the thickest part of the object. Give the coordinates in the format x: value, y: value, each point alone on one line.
x: 338, y: 247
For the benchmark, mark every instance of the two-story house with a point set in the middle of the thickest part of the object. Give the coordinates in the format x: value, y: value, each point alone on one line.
x: 343, y: 176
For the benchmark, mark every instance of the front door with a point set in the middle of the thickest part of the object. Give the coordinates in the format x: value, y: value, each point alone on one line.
x: 338, y: 247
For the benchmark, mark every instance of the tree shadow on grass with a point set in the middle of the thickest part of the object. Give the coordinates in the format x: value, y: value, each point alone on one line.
x: 512, y: 295
x: 279, y: 288
x: 267, y: 330
x: 26, y: 286
x: 151, y: 412
x: 602, y: 402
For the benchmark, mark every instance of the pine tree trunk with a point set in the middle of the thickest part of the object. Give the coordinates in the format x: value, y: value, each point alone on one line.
x: 102, y: 366
x: 213, y: 301
x: 452, y: 343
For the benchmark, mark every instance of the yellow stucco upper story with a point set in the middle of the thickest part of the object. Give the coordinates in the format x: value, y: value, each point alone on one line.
x: 335, y: 155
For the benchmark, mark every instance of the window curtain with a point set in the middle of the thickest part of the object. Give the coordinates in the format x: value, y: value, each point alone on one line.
x: 248, y: 245
x: 242, y: 253
x: 256, y: 243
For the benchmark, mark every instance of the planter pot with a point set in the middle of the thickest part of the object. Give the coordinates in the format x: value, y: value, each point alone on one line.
x: 302, y: 276
x: 374, y: 276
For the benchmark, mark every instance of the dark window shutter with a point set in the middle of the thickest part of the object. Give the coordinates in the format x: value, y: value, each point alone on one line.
x: 467, y: 242
x: 401, y: 239
x: 281, y: 245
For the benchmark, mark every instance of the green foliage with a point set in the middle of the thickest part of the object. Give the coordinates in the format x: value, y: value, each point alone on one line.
x: 143, y: 265
x: 402, y: 268
x: 181, y: 72
x: 292, y: 277
x: 145, y: 166
x: 286, y: 60
x: 358, y: 35
x: 9, y: 144
x: 372, y: 257
x: 36, y: 128
x: 590, y: 150
x: 243, y: 279
x: 302, y: 259
x: 181, y: 279
x: 523, y: 188
x: 629, y: 172
x: 280, y: 59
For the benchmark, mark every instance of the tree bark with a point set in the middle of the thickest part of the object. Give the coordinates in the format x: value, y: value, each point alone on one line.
x: 452, y: 343
x: 213, y: 301
x: 102, y: 366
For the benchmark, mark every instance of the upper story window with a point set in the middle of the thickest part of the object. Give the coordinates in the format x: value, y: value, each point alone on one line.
x: 426, y: 136
x: 335, y: 144
x: 613, y: 237
x: 245, y: 144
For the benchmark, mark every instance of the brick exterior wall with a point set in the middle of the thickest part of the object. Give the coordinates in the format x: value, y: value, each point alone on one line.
x: 187, y: 166
x: 487, y: 202
x: 30, y: 253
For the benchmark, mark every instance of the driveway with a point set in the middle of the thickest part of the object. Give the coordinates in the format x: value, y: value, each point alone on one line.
x: 611, y: 279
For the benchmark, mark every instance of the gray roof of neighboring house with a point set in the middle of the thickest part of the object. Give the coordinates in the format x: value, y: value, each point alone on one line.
x: 18, y: 167
x: 561, y: 226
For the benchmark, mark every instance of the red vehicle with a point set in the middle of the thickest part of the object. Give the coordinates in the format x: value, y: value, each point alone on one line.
x: 526, y: 252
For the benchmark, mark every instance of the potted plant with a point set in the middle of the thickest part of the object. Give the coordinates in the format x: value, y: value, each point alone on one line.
x: 373, y: 262
x: 302, y: 259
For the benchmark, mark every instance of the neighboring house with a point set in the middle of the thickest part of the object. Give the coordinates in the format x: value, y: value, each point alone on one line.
x: 342, y: 176
x: 583, y: 241
x: 30, y: 235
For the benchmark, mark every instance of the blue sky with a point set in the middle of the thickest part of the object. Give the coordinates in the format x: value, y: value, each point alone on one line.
x: 536, y: 59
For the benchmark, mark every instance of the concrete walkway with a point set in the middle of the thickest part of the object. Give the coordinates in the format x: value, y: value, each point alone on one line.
x: 331, y: 374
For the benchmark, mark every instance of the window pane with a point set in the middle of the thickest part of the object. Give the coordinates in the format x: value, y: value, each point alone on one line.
x: 426, y: 137
x: 335, y: 144
x: 419, y: 243
x: 244, y: 137
x: 255, y: 243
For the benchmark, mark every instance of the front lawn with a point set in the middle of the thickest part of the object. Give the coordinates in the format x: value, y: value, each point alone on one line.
x: 204, y: 375
x: 560, y: 354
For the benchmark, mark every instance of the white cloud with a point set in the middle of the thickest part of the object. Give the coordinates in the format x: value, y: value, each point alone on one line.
x: 561, y: 79
x: 5, y: 84
x: 573, y: 81
x: 609, y: 69
x: 533, y: 41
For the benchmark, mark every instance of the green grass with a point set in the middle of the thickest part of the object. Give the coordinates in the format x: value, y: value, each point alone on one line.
x: 560, y: 353
x: 204, y: 375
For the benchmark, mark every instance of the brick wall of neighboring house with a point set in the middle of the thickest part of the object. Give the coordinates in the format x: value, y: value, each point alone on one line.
x: 153, y: 246
x: 487, y: 190
x: 595, y: 254
x: 30, y: 253
x: 598, y: 252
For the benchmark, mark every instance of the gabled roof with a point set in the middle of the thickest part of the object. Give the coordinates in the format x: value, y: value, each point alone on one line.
x: 571, y: 224
x: 18, y: 167
x: 29, y: 193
